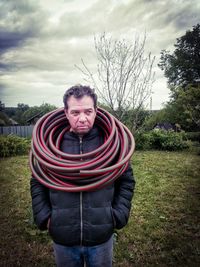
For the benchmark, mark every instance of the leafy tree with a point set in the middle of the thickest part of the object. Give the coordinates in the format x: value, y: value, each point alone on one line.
x: 23, y: 112
x: 140, y: 117
x: 22, y: 107
x: 154, y: 118
x: 2, y: 106
x: 185, y: 108
x: 10, y: 111
x: 182, y: 67
x: 123, y: 77
x: 128, y: 115
x: 41, y: 110
x: 4, y: 119
x: 18, y: 116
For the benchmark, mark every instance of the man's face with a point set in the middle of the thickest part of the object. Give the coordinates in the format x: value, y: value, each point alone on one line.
x: 81, y: 114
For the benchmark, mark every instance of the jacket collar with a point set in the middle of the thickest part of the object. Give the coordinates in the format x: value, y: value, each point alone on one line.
x: 93, y: 132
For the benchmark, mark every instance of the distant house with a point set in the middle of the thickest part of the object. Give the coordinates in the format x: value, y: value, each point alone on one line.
x: 167, y: 126
x: 196, y: 83
x: 5, y: 120
x: 34, y: 119
x: 13, y: 122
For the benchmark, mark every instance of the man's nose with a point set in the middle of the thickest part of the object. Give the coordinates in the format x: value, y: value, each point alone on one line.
x: 82, y: 117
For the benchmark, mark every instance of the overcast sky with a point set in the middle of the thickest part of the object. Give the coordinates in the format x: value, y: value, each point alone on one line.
x: 41, y: 41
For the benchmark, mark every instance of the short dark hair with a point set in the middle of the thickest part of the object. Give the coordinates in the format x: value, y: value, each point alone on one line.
x: 78, y: 91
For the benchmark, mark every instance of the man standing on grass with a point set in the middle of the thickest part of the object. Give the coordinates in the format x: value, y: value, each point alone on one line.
x: 81, y: 224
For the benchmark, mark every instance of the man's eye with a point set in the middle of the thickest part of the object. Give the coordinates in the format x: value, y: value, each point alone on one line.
x: 88, y: 112
x: 75, y: 113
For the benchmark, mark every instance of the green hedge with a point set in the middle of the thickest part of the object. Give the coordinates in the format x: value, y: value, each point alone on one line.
x: 161, y: 140
x: 12, y: 145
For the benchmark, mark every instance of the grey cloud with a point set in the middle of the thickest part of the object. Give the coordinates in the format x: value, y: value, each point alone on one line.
x: 156, y: 14
x: 83, y: 23
x: 165, y: 20
x: 20, y: 6
x: 20, y: 20
x: 5, y: 67
x: 188, y: 15
x: 13, y: 39
x: 72, y: 25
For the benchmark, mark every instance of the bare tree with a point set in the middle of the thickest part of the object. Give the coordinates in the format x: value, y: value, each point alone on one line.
x: 124, y: 75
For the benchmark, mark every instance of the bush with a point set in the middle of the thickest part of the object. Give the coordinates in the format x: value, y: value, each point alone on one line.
x: 169, y: 140
x: 12, y: 145
x: 161, y: 140
x: 193, y: 136
x: 143, y: 140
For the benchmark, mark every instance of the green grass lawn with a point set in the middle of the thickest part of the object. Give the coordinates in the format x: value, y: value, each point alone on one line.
x: 164, y: 226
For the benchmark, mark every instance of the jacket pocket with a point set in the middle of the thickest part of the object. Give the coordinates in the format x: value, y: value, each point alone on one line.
x: 53, y: 221
x: 113, y: 218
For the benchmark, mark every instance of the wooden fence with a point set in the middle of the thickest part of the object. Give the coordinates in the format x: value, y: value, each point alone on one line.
x: 22, y: 131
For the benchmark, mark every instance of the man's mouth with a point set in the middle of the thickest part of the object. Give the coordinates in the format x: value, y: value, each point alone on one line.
x: 82, y: 127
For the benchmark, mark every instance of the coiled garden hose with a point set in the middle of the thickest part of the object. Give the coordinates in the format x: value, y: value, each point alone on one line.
x: 79, y: 172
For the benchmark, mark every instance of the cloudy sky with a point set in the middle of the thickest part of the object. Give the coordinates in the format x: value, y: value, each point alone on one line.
x: 41, y: 41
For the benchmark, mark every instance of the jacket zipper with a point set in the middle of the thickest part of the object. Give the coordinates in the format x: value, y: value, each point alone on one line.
x: 81, y: 196
x: 81, y: 215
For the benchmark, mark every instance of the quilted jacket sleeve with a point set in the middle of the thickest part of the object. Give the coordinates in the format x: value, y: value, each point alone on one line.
x: 40, y: 204
x: 124, y: 190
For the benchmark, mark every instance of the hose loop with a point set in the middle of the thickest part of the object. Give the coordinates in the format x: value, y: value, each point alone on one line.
x: 73, y: 172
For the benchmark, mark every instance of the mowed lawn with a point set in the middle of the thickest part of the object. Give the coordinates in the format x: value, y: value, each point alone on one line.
x: 164, y: 225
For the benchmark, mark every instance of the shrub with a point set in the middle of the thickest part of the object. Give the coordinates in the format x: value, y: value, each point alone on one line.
x: 12, y: 145
x: 161, y: 140
x: 193, y: 136
x: 143, y: 140
x: 169, y: 140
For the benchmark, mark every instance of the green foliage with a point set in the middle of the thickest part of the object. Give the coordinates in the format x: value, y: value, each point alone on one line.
x: 169, y: 140
x: 193, y: 136
x: 155, y: 117
x: 13, y: 145
x: 182, y: 67
x: 184, y: 108
x: 134, y: 119
x: 23, y: 112
x: 161, y: 140
x: 2, y: 105
x: 4, y: 120
x: 43, y: 109
x: 18, y: 116
x: 143, y: 140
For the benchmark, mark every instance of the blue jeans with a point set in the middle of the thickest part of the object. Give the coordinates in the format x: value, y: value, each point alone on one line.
x: 95, y: 256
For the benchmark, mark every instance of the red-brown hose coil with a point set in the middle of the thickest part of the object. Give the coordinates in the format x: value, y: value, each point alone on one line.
x: 79, y: 172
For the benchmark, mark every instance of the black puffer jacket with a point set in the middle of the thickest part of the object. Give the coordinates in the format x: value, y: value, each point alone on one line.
x: 85, y: 218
